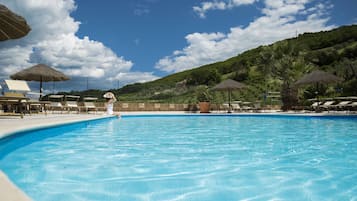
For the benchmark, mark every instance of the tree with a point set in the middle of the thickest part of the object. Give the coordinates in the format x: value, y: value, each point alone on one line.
x: 286, y: 67
x: 288, y: 95
x: 204, y: 77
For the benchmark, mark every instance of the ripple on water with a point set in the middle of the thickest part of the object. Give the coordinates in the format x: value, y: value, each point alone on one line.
x: 188, y: 158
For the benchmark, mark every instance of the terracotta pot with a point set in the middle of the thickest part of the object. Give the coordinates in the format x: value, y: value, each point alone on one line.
x: 204, y: 107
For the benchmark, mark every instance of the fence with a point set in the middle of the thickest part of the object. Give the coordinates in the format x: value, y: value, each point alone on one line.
x: 122, y: 106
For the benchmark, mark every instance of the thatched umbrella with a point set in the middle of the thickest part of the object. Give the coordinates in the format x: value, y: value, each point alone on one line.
x: 41, y: 73
x: 12, y: 26
x: 318, y: 77
x: 229, y: 85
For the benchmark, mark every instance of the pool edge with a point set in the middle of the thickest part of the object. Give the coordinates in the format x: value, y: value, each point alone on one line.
x: 31, y: 127
x: 8, y: 190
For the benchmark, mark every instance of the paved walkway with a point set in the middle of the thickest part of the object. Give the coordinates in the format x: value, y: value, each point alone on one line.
x: 9, y: 192
x: 10, y: 125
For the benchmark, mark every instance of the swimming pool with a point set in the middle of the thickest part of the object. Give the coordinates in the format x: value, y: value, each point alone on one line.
x: 184, y: 157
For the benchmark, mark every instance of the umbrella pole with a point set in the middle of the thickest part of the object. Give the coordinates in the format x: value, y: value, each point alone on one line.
x: 317, y: 98
x: 41, y: 88
x: 229, y: 101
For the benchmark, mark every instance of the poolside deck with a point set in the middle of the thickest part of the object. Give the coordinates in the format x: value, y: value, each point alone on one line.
x: 9, y: 192
x: 10, y: 125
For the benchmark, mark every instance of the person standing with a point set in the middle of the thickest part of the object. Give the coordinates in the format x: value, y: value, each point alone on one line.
x: 110, y: 100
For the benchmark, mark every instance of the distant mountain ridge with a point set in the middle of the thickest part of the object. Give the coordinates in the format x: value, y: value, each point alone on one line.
x: 264, y: 69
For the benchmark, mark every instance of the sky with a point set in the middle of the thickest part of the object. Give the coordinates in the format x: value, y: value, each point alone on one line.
x: 108, y: 44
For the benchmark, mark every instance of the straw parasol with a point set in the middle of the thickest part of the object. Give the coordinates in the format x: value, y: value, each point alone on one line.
x: 229, y: 85
x: 41, y: 73
x: 318, y: 77
x: 12, y: 26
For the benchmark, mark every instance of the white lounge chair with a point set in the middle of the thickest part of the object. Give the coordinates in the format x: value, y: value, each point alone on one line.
x: 226, y: 107
x: 89, y: 104
x: 340, y: 105
x: 352, y: 106
x: 21, y: 88
x: 71, y: 103
x: 327, y: 105
x: 56, y: 103
x: 246, y: 106
x: 14, y: 98
x: 236, y: 107
x: 314, y: 105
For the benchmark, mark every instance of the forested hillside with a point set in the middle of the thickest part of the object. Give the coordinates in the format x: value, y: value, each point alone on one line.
x: 272, y: 68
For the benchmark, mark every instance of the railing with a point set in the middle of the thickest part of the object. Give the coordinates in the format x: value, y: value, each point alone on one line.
x: 144, y: 106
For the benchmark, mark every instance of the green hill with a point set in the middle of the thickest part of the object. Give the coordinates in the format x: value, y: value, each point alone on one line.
x: 267, y: 68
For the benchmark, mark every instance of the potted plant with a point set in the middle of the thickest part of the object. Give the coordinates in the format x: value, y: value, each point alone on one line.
x: 204, y: 97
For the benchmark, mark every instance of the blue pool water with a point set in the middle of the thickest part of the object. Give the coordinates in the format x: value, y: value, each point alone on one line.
x: 193, y: 158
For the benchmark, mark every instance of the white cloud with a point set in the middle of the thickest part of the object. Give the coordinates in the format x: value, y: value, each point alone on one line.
x: 279, y: 21
x: 219, y: 5
x: 52, y: 41
x: 141, y: 10
x: 131, y: 77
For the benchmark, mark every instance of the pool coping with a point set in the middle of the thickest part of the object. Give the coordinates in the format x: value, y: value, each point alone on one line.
x: 9, y: 191
x: 14, y: 126
x: 269, y: 113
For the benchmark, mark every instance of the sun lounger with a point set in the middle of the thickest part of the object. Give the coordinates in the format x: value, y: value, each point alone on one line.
x: 315, y: 104
x: 12, y: 105
x: 257, y: 107
x: 226, y: 107
x: 351, y: 106
x: 14, y: 100
x: 56, y: 103
x: 89, y: 104
x: 327, y: 105
x: 341, y: 105
x: 246, y: 106
x: 236, y: 107
x: 33, y: 105
x: 36, y: 105
x: 20, y: 88
x: 71, y: 103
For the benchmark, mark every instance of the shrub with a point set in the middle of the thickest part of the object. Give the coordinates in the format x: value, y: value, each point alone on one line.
x: 203, y: 94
